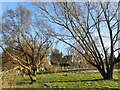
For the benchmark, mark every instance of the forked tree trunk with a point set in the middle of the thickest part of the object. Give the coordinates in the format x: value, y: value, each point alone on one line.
x: 106, y: 75
x: 110, y: 72
x: 32, y: 76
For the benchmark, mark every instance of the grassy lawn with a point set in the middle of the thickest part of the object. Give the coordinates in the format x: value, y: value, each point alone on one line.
x: 68, y: 80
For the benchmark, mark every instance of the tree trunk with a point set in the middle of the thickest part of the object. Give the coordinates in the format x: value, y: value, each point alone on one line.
x: 32, y: 76
x: 106, y: 75
x: 110, y: 72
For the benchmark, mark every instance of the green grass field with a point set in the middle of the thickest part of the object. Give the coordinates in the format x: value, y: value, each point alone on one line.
x: 68, y: 80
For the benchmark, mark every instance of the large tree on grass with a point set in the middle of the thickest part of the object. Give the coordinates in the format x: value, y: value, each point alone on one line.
x: 25, y: 39
x: 91, y: 25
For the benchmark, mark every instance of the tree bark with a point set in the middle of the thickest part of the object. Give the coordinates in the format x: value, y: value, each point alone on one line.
x: 110, y: 72
x: 32, y: 76
x: 106, y: 75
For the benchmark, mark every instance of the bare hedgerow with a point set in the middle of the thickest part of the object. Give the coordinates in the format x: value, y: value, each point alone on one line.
x: 9, y: 79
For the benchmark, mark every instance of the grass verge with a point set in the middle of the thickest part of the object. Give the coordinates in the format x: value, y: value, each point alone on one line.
x: 68, y: 80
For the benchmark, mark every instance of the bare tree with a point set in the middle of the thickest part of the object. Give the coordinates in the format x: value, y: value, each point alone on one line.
x: 93, y: 26
x: 22, y: 35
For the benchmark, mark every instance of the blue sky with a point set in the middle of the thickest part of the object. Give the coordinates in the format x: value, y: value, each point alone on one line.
x: 12, y: 5
x: 5, y: 5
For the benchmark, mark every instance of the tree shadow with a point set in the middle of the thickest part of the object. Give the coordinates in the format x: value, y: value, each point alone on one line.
x: 44, y: 72
x: 29, y: 83
x: 62, y: 71
x: 23, y: 83
x: 77, y: 81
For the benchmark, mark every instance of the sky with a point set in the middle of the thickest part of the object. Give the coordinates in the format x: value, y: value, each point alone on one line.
x: 12, y: 5
x: 5, y: 4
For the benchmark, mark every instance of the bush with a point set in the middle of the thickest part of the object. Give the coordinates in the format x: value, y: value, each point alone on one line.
x: 9, y: 78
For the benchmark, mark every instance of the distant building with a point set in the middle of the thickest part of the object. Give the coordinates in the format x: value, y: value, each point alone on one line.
x: 75, y: 61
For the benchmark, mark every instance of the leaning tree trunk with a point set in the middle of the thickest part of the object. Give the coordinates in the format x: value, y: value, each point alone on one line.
x: 32, y: 75
x: 108, y: 74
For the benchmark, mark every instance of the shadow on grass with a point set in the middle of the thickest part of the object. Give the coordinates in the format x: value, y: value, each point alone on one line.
x: 29, y: 83
x: 77, y: 81
x: 67, y: 71
x: 24, y: 83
